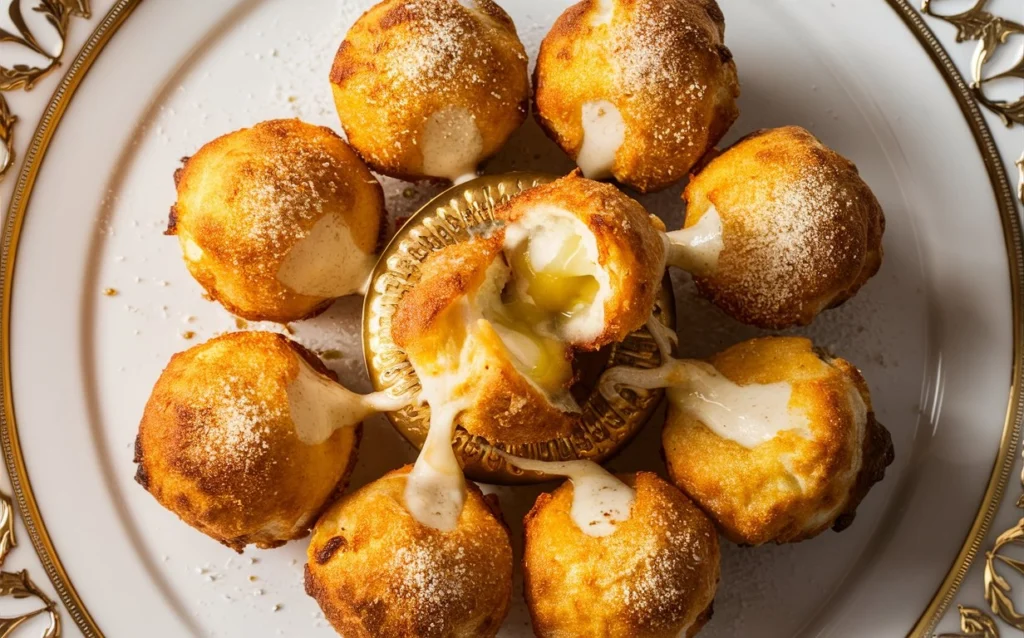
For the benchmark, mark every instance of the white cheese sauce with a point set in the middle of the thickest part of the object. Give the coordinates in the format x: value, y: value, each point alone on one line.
x: 451, y: 145
x: 326, y: 262
x: 600, y: 501
x: 604, y: 131
x: 696, y: 249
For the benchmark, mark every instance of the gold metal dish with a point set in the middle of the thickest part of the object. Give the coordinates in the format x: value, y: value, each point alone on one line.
x: 602, y: 429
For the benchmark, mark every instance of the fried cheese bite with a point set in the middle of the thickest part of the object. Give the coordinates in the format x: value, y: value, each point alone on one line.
x: 248, y: 436
x: 774, y: 439
x: 638, y: 90
x: 575, y: 266
x: 431, y: 88
x: 783, y: 227
x: 278, y: 220
x: 653, y: 576
x: 377, y: 572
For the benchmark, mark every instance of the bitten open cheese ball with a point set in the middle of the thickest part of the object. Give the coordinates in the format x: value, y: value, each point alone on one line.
x: 246, y: 438
x: 638, y: 90
x: 654, y: 576
x: 800, y: 231
x: 430, y: 88
x: 774, y: 440
x: 377, y: 572
x: 278, y: 220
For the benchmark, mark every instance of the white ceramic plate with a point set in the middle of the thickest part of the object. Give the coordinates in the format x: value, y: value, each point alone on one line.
x: 932, y: 332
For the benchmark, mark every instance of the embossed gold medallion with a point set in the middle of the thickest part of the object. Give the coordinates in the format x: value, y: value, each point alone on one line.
x: 602, y: 428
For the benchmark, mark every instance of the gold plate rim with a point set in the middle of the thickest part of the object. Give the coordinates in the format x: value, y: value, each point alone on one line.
x: 122, y: 9
x: 603, y: 429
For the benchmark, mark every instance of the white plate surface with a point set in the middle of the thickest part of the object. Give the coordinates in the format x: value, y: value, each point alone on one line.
x: 931, y: 332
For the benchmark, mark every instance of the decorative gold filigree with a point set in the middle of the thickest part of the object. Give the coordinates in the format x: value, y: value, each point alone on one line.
x: 24, y: 76
x: 974, y: 623
x: 991, y: 32
x: 18, y: 584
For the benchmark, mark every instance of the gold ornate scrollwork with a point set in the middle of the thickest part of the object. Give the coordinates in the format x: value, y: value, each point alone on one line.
x: 24, y: 76
x: 991, y: 32
x: 18, y: 584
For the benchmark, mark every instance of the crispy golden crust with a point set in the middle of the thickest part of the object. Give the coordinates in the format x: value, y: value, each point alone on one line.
x: 802, y: 232
x: 217, y: 445
x: 378, y: 573
x: 630, y: 248
x: 664, y: 66
x: 247, y: 198
x: 792, y: 487
x: 654, y: 577
x: 405, y: 60
x: 429, y: 325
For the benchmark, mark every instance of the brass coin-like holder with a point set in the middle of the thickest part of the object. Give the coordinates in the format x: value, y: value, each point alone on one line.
x: 602, y: 428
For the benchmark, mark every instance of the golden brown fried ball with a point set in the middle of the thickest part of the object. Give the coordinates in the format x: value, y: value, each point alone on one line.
x: 637, y: 89
x: 616, y: 243
x: 655, y: 576
x: 801, y: 230
x: 278, y: 220
x: 441, y: 325
x: 219, y: 447
x: 378, y: 573
x: 802, y: 481
x: 430, y: 88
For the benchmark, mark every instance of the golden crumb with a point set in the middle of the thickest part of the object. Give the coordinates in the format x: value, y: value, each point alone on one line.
x: 188, y: 334
x: 331, y: 354
x: 110, y: 292
x: 241, y: 324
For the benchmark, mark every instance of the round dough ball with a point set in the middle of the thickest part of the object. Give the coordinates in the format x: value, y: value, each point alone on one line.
x: 219, y: 444
x: 378, y: 573
x: 655, y: 576
x: 805, y: 479
x: 430, y: 88
x: 278, y: 220
x: 801, y: 231
x: 623, y: 249
x: 637, y: 89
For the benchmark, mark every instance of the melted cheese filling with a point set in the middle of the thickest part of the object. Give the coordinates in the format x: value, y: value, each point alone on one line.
x: 558, y: 284
x: 451, y: 144
x: 747, y: 414
x: 326, y: 262
x: 604, y: 131
x: 318, y: 406
x: 696, y: 249
x: 600, y: 501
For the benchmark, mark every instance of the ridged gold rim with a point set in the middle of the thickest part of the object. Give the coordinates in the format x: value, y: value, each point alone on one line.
x: 14, y: 460
x: 454, y: 216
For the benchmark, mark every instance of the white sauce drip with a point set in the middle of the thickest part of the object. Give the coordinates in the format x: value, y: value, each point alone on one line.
x: 600, y: 501
x: 435, y: 490
x: 319, y: 406
x: 747, y: 414
x: 604, y: 131
x: 696, y: 249
x: 451, y: 145
x: 327, y: 262
x: 604, y: 13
